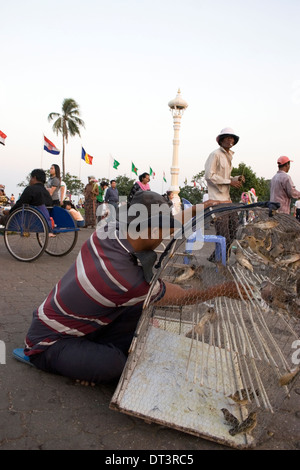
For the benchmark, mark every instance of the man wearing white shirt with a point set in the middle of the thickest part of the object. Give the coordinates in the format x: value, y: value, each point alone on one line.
x: 218, y: 167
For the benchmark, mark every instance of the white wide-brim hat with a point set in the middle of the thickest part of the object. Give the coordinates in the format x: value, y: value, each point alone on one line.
x: 227, y: 131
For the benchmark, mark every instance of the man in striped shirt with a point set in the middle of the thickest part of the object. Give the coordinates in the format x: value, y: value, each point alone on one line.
x: 84, y: 327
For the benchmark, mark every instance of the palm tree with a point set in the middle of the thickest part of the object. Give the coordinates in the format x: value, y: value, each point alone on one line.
x: 68, y: 123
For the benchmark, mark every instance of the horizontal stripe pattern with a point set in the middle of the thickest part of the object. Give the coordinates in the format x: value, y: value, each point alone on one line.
x: 104, y: 280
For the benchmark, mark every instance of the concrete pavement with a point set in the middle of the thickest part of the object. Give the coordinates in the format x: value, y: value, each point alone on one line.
x: 44, y: 411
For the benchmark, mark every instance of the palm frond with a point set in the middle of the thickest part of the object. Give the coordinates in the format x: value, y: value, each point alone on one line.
x: 73, y: 128
x: 79, y: 121
x: 57, y: 125
x: 52, y: 116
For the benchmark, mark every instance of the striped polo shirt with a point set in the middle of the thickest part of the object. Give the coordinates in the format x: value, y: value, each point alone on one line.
x: 104, y: 280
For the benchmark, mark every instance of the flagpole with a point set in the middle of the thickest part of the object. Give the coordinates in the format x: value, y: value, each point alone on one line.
x: 42, y: 152
x: 80, y: 166
x: 109, y: 162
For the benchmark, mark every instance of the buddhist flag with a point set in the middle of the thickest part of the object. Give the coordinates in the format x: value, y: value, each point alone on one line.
x: 134, y: 168
x: 151, y: 172
x: 50, y: 147
x: 2, y: 138
x: 115, y: 164
x: 86, y: 157
x: 164, y: 177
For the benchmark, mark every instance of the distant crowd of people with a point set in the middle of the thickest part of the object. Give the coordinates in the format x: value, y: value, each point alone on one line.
x: 101, y: 199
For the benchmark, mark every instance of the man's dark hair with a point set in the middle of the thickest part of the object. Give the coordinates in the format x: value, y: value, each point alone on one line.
x: 112, y: 181
x: 39, y: 174
x: 281, y: 166
x: 143, y: 175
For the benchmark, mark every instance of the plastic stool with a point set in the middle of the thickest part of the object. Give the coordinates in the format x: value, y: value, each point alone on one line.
x: 220, y: 251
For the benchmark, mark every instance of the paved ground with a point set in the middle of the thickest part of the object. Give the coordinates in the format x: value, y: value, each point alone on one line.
x: 44, y: 411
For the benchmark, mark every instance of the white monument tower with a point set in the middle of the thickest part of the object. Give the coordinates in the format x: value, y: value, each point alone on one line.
x: 177, y: 107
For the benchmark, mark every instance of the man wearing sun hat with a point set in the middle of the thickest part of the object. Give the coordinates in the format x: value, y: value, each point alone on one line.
x: 218, y: 167
x: 282, y: 186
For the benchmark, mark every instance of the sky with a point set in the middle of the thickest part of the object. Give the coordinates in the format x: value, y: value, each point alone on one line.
x: 236, y: 64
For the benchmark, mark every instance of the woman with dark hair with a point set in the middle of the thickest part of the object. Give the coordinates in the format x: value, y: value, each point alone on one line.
x: 141, y: 185
x: 54, y: 183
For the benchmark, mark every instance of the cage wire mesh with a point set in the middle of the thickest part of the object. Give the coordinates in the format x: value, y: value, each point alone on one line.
x: 221, y: 368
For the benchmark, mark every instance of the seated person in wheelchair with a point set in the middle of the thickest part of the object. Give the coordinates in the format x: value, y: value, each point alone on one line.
x: 34, y: 195
x: 76, y: 215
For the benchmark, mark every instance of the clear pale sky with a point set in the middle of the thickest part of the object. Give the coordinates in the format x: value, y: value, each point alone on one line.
x: 235, y: 62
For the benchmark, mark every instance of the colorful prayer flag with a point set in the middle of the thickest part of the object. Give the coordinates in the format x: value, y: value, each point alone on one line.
x: 115, y: 164
x: 134, y: 168
x: 2, y: 138
x: 86, y: 157
x: 50, y: 147
x: 164, y: 177
x: 151, y: 172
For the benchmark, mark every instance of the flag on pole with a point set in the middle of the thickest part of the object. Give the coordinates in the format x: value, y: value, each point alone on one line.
x: 115, y: 164
x: 50, y: 147
x: 86, y: 157
x: 164, y: 177
x: 134, y: 168
x: 2, y: 138
x: 152, y: 173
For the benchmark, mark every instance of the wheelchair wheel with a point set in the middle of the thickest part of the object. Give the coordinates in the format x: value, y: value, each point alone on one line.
x: 26, y: 234
x: 62, y: 243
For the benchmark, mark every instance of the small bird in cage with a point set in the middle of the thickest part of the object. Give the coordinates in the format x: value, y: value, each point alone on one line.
x: 245, y: 426
x: 187, y: 272
x: 242, y: 396
x: 286, y: 379
x: 230, y: 418
x: 184, y: 274
x: 209, y: 317
x: 243, y: 261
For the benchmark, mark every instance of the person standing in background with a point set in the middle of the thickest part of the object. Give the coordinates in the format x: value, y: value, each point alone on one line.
x: 101, y: 211
x: 12, y: 200
x: 112, y: 199
x: 91, y: 191
x: 141, y: 185
x: 53, y: 184
x: 218, y: 167
x: 297, y: 209
x: 282, y: 186
x: 205, y: 196
x: 62, y: 192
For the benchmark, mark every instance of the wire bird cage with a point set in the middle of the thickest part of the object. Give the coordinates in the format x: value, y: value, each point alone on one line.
x: 221, y: 369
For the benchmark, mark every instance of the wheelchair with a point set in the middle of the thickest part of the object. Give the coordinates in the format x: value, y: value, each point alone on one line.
x: 29, y: 232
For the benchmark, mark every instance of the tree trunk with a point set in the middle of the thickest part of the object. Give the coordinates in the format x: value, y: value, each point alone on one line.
x: 63, y: 159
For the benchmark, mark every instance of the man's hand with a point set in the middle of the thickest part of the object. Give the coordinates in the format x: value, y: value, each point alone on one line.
x: 236, y: 184
x: 237, y: 181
